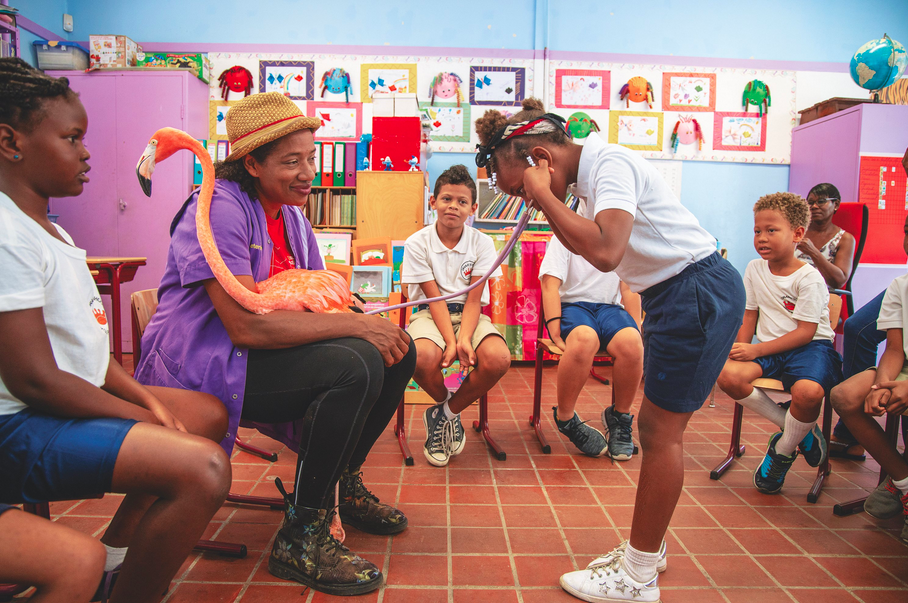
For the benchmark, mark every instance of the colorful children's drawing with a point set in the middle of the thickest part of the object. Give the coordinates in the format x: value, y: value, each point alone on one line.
x: 294, y: 79
x: 340, y: 121
x: 582, y: 88
x: 371, y: 281
x: 497, y: 85
x: 334, y: 247
x: 386, y: 77
x: 688, y: 92
x: 217, y: 118
x: 638, y: 130
x: 739, y: 132
x: 448, y: 122
x: 397, y: 259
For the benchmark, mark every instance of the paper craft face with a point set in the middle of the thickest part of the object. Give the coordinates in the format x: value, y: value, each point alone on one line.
x: 687, y: 133
x: 337, y: 81
x: 637, y: 89
x: 447, y: 85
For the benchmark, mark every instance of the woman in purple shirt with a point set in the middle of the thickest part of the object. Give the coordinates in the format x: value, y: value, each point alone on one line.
x: 336, y: 379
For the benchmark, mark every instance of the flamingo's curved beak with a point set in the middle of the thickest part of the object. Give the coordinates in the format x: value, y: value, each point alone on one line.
x: 145, y: 167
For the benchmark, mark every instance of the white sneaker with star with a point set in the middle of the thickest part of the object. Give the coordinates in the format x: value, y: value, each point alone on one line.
x: 609, y: 583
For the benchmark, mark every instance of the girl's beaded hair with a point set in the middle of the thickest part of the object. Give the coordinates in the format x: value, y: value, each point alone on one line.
x: 23, y: 92
x: 500, y: 136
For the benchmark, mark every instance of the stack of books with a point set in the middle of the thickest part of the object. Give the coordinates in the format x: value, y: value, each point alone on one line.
x: 331, y: 208
x: 509, y: 208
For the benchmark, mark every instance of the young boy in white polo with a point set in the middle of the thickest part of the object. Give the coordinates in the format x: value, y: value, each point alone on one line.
x: 444, y: 258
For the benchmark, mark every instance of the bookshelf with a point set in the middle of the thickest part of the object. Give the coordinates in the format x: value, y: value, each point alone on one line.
x: 332, y: 207
x: 504, y: 209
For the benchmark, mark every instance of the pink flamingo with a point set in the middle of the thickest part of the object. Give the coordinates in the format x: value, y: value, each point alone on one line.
x: 297, y: 289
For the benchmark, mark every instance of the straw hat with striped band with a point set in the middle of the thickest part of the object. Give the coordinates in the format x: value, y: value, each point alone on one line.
x: 261, y: 118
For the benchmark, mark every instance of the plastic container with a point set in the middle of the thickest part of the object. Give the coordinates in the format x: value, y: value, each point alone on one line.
x: 59, y: 55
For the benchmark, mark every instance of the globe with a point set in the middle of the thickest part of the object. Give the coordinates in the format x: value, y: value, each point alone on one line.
x: 878, y: 63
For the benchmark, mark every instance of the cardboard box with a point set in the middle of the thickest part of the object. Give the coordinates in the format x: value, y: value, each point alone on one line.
x: 198, y: 62
x: 112, y: 51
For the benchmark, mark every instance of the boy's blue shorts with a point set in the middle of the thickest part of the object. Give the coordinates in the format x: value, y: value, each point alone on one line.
x: 691, y: 322
x: 605, y: 319
x: 47, y: 458
x: 817, y: 361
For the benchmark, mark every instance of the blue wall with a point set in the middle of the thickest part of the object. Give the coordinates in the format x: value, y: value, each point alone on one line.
x: 720, y: 194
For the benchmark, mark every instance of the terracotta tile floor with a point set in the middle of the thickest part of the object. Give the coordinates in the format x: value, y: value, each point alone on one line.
x: 486, y: 530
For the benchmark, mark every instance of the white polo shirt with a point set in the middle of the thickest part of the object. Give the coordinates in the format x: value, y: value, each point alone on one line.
x: 666, y: 237
x: 426, y: 258
x: 784, y: 300
x: 40, y: 271
x: 580, y: 280
x: 894, y: 311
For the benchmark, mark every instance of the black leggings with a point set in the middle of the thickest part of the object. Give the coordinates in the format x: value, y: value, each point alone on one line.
x: 345, y: 393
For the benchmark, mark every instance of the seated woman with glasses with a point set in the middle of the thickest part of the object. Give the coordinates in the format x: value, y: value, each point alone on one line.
x: 826, y: 247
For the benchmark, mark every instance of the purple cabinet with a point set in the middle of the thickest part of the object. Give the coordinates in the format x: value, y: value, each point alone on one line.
x: 113, y: 217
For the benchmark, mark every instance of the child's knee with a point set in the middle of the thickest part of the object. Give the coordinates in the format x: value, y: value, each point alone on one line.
x: 844, y: 402
x: 807, y: 392
x: 629, y: 349
x: 583, y: 339
x: 428, y: 355
x: 211, y: 473
x: 495, y: 359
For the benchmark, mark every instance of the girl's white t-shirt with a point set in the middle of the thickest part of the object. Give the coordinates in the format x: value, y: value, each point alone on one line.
x: 894, y: 311
x: 40, y: 271
x: 666, y: 237
x: 580, y: 280
x: 784, y: 300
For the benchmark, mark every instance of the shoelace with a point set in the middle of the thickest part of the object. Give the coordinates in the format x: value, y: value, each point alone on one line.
x: 442, y: 437
x: 360, y: 490
x: 611, y: 564
x: 578, y: 434
x: 775, y: 470
x: 331, y: 543
x: 624, y: 432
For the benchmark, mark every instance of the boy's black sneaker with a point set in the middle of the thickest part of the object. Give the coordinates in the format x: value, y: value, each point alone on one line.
x: 770, y: 475
x: 588, y: 440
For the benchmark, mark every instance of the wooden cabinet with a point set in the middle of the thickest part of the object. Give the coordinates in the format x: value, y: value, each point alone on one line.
x: 389, y: 204
x: 113, y: 217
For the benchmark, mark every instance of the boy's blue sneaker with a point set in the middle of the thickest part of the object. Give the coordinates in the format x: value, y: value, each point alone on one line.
x: 460, y: 436
x: 770, y: 475
x: 620, y: 426
x: 588, y: 440
x: 813, y: 447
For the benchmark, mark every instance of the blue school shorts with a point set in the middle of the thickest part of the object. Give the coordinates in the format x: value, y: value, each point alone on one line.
x: 817, y: 361
x: 47, y: 458
x: 605, y: 319
x: 691, y: 322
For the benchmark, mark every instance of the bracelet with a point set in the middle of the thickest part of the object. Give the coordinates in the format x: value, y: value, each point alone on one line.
x: 551, y: 319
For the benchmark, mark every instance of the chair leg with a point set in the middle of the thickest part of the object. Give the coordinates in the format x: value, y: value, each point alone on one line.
x: 735, y: 448
x: 401, y: 433
x: 536, y: 417
x: 276, y: 504
x: 482, y: 425
x: 892, y: 433
x: 824, y: 468
x: 222, y: 548
x: 598, y: 377
x: 268, y: 456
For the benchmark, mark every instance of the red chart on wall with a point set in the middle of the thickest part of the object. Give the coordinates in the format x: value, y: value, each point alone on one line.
x: 882, y: 187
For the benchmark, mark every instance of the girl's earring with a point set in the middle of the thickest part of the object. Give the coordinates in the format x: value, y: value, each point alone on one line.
x: 15, y: 157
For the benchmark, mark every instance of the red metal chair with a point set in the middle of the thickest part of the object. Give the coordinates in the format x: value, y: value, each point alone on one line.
x: 736, y: 449
x: 853, y: 219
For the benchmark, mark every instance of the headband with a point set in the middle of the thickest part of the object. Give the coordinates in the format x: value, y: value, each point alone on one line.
x: 539, y: 125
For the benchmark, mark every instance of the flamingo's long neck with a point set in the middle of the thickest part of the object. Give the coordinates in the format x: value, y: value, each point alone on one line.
x: 246, y: 298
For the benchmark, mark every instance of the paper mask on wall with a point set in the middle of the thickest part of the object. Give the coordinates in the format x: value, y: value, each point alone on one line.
x: 579, y: 125
x: 445, y: 86
x: 687, y: 131
x: 637, y: 90
x: 235, y: 79
x: 336, y: 81
x: 757, y: 93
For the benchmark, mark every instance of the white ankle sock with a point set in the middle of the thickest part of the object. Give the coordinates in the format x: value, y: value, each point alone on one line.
x: 793, y: 434
x: 447, y: 408
x: 763, y: 405
x: 640, y: 566
x: 901, y: 484
x: 115, y: 556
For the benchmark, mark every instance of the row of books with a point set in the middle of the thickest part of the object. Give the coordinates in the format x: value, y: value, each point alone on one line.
x: 510, y: 208
x: 331, y: 208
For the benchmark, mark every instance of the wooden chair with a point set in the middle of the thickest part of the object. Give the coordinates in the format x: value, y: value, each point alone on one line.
x: 892, y: 433
x: 143, y: 305
x: 737, y: 449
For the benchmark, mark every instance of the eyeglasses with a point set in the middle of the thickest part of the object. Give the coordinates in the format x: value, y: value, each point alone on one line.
x: 820, y: 202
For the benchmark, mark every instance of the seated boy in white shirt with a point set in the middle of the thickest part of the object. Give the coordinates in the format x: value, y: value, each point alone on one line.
x: 882, y: 390
x: 584, y: 314
x: 787, y: 306
x: 444, y: 258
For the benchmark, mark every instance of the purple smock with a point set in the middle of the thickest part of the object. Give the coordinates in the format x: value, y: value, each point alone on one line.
x: 186, y: 346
